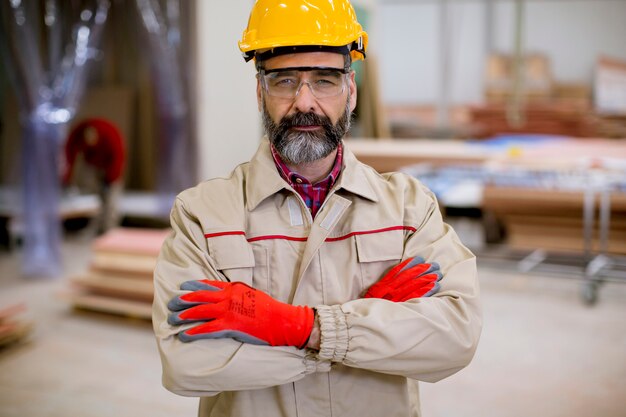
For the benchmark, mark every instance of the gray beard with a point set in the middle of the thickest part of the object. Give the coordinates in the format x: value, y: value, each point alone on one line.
x: 296, y: 148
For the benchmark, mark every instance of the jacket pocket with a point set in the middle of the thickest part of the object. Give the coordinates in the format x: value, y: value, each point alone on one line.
x: 377, y: 253
x: 233, y: 257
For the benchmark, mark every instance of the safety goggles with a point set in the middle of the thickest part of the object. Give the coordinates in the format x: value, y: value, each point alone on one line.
x: 323, y: 82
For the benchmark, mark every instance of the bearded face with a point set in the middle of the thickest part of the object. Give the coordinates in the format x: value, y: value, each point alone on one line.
x: 299, y: 147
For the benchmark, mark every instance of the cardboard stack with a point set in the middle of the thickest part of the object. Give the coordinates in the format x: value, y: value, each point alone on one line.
x: 119, y: 280
x: 12, y: 329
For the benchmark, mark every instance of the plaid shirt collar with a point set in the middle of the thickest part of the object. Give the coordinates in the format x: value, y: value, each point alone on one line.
x: 264, y: 180
x: 312, y: 194
x: 294, y: 179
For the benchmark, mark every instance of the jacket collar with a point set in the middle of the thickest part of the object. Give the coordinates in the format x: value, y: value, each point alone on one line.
x: 356, y: 177
x: 264, y: 179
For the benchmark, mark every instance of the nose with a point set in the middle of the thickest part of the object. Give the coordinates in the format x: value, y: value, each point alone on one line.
x: 305, y: 101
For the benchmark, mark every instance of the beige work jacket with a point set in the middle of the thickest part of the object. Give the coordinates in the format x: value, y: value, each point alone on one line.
x: 253, y: 227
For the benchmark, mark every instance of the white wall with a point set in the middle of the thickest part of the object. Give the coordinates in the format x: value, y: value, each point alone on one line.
x: 409, y: 52
x: 571, y: 32
x: 229, y: 126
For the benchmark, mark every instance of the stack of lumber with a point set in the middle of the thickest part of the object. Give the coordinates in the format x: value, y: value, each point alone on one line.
x: 119, y: 280
x: 541, y: 218
x: 547, y: 105
x: 12, y: 329
x: 611, y: 126
x: 541, y: 118
x: 394, y: 155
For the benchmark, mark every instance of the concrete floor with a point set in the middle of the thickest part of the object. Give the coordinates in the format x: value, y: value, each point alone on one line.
x: 542, y: 353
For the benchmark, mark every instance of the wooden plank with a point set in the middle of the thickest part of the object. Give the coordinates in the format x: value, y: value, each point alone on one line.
x: 123, y: 263
x: 553, y: 219
x: 131, y: 241
x: 392, y: 155
x: 544, y: 221
x: 548, y: 241
x: 531, y: 200
x: 127, y: 275
x: 104, y: 304
x: 116, y: 287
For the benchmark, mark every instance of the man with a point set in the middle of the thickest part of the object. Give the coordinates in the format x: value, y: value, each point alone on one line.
x: 305, y: 283
x: 95, y: 157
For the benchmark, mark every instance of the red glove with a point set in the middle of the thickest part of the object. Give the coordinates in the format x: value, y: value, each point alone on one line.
x: 412, y: 278
x: 235, y: 310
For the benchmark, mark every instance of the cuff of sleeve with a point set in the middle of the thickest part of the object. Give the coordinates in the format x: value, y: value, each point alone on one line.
x: 334, y: 333
x: 313, y: 363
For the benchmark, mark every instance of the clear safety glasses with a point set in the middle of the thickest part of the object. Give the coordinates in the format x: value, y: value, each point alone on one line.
x: 324, y: 82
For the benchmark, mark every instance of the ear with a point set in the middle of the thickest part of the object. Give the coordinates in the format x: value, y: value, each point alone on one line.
x: 259, y: 95
x: 352, y: 87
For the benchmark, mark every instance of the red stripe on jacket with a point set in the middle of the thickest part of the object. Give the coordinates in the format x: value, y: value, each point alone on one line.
x: 303, y: 239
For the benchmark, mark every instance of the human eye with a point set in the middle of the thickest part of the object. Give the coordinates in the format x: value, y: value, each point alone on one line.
x: 283, y: 80
x: 326, y: 79
x: 326, y: 82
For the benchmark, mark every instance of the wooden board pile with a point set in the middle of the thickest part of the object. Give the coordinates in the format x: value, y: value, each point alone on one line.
x: 547, y: 106
x: 611, y: 126
x: 119, y: 280
x: 12, y: 328
x: 536, y: 218
x: 537, y: 118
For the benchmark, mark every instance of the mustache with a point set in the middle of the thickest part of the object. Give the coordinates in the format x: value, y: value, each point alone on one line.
x: 304, y: 119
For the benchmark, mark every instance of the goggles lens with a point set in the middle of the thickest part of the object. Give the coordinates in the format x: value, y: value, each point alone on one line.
x: 322, y: 81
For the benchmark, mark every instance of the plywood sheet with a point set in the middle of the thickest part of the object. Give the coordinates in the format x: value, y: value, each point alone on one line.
x: 131, y: 241
x: 105, y: 304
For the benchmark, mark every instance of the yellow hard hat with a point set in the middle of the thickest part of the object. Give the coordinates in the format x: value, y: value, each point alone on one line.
x: 307, y: 25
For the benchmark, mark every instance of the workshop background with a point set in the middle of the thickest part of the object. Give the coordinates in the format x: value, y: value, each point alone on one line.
x: 512, y: 111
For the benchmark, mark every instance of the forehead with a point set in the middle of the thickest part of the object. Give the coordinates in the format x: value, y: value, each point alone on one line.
x: 306, y: 59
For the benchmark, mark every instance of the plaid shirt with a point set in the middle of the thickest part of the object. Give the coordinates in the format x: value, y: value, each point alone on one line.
x: 312, y: 194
